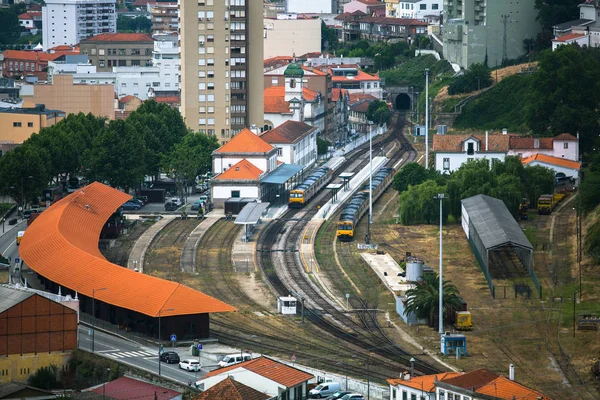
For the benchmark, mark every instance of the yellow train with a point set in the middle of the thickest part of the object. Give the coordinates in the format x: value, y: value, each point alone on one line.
x: 547, y: 202
x: 304, y: 192
x: 359, y: 203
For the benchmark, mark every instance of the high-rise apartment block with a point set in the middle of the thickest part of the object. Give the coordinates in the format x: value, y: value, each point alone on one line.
x: 221, y: 65
x: 67, y: 22
x: 496, y: 28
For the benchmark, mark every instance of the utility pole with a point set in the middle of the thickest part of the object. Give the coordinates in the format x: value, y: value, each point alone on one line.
x: 504, y: 51
x: 441, y: 197
x: 370, y: 185
x: 427, y: 118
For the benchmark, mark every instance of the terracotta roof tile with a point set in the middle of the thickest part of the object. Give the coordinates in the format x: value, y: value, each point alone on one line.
x: 62, y: 245
x: 274, y: 99
x: 168, y: 99
x: 517, y: 142
x: 568, y: 36
x: 230, y: 389
x: 25, y: 16
x: 453, y: 143
x: 337, y: 92
x: 361, y: 107
x: 288, y: 132
x: 425, y: 383
x: 127, y: 98
x: 360, y: 76
x: 34, y: 55
x: 566, y: 136
x: 245, y: 142
x: 472, y: 380
x: 270, y: 369
x: 62, y: 47
x: 356, y: 97
x: 120, y: 37
x: 560, y: 162
x: 243, y: 170
x: 503, y: 388
x: 126, y: 388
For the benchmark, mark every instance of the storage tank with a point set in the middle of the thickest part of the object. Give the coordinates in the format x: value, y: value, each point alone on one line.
x: 414, y: 270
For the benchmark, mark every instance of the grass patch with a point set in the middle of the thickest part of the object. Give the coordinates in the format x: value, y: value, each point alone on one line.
x: 4, y: 207
x: 411, y: 73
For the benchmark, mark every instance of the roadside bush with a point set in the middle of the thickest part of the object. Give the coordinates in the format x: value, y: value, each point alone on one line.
x: 591, y: 246
x: 478, y: 76
x: 45, y: 378
x: 322, y: 146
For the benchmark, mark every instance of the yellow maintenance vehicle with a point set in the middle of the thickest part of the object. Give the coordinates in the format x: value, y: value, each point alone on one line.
x: 548, y: 202
x: 463, y: 321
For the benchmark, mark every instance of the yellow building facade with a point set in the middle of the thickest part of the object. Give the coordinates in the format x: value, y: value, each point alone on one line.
x: 18, y: 368
x: 17, y: 124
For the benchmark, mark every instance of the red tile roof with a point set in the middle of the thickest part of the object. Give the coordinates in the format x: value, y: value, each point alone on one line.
x: 288, y: 132
x: 559, y: 162
x: 62, y: 47
x: 506, y: 389
x: 356, y: 97
x: 566, y: 136
x: 25, y: 16
x: 168, y: 99
x: 270, y: 369
x: 127, y: 98
x: 242, y: 171
x: 274, y: 99
x: 120, y: 37
x: 472, y: 380
x: 126, y: 388
x: 33, y: 55
x: 230, y: 389
x: 425, y: 383
x: 517, y: 142
x: 360, y: 76
x: 453, y: 143
x: 62, y: 246
x: 277, y: 61
x: 245, y: 142
x: 337, y: 92
x: 569, y: 36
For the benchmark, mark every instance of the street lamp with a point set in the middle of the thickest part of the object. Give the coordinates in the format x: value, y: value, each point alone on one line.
x: 441, y: 197
x: 94, y: 314
x: 159, y: 337
x: 104, y: 384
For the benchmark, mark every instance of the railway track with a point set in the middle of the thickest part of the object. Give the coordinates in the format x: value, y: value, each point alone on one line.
x: 279, y: 255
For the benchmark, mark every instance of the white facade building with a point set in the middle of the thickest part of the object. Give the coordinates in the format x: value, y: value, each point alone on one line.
x: 68, y: 22
x: 296, y: 143
x: 166, y: 58
x: 413, y: 9
x: 310, y: 6
x: 452, y: 151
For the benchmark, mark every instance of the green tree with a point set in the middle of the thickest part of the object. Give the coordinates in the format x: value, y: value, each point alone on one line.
x: 591, y: 246
x: 329, y: 39
x: 417, y: 204
x: 510, y: 190
x: 378, y: 112
x: 116, y: 156
x: 553, y: 12
x: 538, y: 180
x: 10, y: 28
x: 478, y: 76
x: 45, y: 378
x: 139, y: 24
x: 410, y: 175
x: 190, y: 158
x: 23, y: 174
x: 423, y: 299
x: 559, y: 103
x: 322, y: 146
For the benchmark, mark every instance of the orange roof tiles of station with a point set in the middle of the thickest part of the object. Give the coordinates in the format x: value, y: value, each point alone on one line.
x: 245, y: 142
x: 62, y: 246
x: 243, y: 170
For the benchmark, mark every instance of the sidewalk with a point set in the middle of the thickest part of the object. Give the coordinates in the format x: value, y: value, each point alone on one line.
x: 190, y: 247
x: 242, y: 253
x: 138, y: 251
x: 6, y: 228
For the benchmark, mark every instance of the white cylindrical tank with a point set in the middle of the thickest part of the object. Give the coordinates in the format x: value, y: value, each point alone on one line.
x: 414, y: 270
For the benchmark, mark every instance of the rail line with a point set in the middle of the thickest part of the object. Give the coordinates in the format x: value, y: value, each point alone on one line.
x: 366, y: 334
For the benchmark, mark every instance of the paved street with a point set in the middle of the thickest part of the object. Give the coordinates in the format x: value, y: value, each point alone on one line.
x: 8, y: 245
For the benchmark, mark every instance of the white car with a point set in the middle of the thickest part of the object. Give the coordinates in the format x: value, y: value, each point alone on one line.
x: 190, y: 365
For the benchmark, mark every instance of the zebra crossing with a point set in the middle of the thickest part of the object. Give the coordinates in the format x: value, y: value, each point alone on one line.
x: 125, y: 354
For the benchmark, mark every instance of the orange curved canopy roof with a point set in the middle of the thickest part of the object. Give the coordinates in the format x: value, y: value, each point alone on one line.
x: 62, y: 245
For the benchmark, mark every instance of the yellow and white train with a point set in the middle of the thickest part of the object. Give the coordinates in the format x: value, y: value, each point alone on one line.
x: 304, y: 192
x: 359, y: 203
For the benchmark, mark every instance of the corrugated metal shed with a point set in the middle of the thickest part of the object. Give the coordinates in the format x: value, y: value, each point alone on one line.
x: 10, y: 297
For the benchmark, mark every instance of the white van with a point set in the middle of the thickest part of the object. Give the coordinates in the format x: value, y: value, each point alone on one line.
x: 324, y: 389
x: 232, y: 359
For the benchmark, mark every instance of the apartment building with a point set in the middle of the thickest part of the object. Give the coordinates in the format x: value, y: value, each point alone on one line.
x: 17, y: 124
x: 293, y: 36
x: 110, y: 50
x: 415, y: 9
x: 164, y: 17
x: 476, y: 28
x: 68, y: 22
x: 221, y: 49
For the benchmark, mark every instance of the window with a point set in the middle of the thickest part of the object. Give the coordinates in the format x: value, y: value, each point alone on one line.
x: 210, y: 98
x: 201, y: 86
x: 135, y: 63
x: 101, y: 63
x: 17, y: 124
x: 414, y: 396
x: 280, y: 153
x: 566, y: 145
x: 422, y: 6
x: 235, y: 193
x: 470, y: 148
x: 275, y: 81
x: 30, y: 124
x: 211, y: 121
x: 202, y: 121
x: 122, y: 63
x: 435, y: 7
x: 446, y: 164
x: 404, y: 395
x: 442, y: 395
x: 157, y: 84
x: 135, y: 52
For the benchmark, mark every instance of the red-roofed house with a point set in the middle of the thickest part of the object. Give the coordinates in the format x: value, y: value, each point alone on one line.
x: 126, y: 388
x: 21, y: 63
x: 564, y: 146
x: 264, y: 375
x: 568, y: 167
x: 358, y: 25
x: 420, y: 387
x: 582, y: 39
x: 27, y: 22
x: 296, y: 142
x: 231, y: 389
x: 351, y: 78
x: 294, y: 102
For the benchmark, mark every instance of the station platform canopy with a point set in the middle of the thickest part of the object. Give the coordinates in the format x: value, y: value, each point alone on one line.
x: 282, y: 174
x: 251, y: 213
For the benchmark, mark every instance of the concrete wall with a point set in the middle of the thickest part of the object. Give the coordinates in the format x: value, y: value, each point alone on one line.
x: 289, y: 37
x: 573, y: 173
x: 458, y: 159
x: 18, y: 368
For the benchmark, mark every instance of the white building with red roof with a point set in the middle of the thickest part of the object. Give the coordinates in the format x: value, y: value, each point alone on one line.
x: 351, y: 78
x: 264, y: 375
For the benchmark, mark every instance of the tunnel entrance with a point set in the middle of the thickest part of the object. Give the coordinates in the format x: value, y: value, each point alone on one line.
x: 402, y: 102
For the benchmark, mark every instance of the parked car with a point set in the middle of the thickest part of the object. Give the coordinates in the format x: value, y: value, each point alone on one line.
x: 190, y: 365
x: 324, y: 389
x: 177, y: 201
x: 196, y: 205
x: 170, y: 206
x: 232, y: 359
x: 138, y: 201
x: 353, y: 396
x: 338, y: 395
x: 170, y: 357
x: 131, y: 205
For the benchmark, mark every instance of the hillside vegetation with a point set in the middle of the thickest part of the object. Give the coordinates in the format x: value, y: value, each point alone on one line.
x: 412, y: 72
x: 500, y: 107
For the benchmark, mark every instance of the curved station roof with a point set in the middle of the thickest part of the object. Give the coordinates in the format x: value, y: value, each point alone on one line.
x: 62, y: 246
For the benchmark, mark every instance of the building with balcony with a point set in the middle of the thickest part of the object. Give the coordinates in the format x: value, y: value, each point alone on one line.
x: 358, y: 25
x: 478, y: 29
x: 351, y: 78
x: 164, y: 17
x: 222, y: 65
x: 68, y: 22
x: 110, y: 50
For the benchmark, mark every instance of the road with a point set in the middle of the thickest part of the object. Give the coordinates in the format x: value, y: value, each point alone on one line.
x: 8, y: 245
x: 134, y: 354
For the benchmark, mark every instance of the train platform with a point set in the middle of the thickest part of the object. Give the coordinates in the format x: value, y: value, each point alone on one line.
x: 344, y: 194
x: 190, y: 247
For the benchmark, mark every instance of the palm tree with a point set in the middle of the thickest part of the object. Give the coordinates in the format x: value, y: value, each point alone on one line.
x: 423, y: 299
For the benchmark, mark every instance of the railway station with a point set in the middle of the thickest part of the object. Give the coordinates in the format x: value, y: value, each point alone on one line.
x: 61, y: 246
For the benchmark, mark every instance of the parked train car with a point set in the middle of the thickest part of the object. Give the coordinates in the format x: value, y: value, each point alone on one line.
x: 305, y: 191
x: 548, y: 202
x: 359, y: 203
